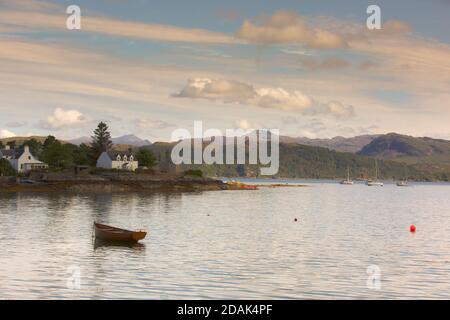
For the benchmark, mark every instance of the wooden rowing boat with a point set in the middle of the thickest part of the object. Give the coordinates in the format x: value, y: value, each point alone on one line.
x: 108, y: 233
x: 248, y: 187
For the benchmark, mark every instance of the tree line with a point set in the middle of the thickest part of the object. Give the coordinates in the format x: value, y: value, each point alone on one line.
x: 61, y: 156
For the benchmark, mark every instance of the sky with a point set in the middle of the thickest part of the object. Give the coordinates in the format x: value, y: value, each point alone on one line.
x: 307, y: 68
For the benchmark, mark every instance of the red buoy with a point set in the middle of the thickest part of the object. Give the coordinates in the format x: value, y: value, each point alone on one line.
x: 412, y: 228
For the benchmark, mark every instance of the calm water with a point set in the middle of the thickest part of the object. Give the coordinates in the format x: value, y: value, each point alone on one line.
x: 231, y: 244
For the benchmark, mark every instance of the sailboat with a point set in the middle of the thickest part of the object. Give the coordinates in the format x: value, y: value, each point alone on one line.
x: 375, y: 183
x: 348, y: 181
x: 404, y: 182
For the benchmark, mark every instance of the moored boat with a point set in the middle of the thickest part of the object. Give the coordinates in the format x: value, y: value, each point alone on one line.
x: 403, y: 183
x: 348, y: 181
x: 248, y: 187
x: 376, y: 182
x: 108, y: 233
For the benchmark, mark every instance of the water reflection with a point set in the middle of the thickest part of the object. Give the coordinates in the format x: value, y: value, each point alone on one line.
x: 230, y: 244
x: 98, y: 243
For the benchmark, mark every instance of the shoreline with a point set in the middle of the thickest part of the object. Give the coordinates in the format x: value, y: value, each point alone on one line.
x: 149, y: 184
x: 122, y: 184
x: 254, y: 179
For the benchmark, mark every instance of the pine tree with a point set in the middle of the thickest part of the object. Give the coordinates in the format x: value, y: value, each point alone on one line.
x: 101, y: 140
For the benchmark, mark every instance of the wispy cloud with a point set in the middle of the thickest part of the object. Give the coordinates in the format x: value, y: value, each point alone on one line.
x: 288, y: 27
x: 325, y: 64
x: 112, y: 27
x: 16, y: 124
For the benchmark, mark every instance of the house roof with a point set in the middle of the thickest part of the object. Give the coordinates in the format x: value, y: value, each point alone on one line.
x: 114, y: 154
x: 13, y: 153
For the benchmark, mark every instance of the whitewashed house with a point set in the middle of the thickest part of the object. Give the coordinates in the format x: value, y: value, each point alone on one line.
x: 117, y: 160
x: 21, y: 159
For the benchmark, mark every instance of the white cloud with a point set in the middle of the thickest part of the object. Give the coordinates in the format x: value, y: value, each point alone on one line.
x: 335, y: 108
x: 247, y: 125
x: 217, y: 89
x: 6, y: 133
x: 278, y: 98
x: 230, y: 91
x: 153, y: 124
x: 62, y: 118
x: 287, y: 27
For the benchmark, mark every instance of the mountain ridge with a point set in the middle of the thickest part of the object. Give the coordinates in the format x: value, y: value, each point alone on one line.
x: 128, y: 139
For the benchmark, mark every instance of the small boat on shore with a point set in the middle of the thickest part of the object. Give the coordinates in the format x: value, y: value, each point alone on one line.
x: 242, y: 186
x: 108, y: 233
x: 248, y: 187
x: 403, y: 183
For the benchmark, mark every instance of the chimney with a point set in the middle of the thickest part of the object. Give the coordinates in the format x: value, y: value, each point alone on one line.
x: 7, y: 147
x: 26, y: 148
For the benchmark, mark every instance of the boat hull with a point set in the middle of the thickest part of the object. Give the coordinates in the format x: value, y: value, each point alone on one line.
x: 108, y: 233
x: 375, y: 184
x: 248, y: 187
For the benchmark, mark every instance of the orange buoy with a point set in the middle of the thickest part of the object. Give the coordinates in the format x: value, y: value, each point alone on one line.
x: 412, y: 228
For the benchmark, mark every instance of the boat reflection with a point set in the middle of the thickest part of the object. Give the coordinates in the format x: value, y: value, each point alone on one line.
x: 98, y: 243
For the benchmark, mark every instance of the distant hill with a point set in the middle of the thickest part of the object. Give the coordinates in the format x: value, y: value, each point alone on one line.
x: 395, y: 146
x: 399, y: 157
x: 131, y: 139
x: 78, y: 141
x: 301, y: 161
x: 20, y: 140
x: 341, y: 144
x: 126, y: 140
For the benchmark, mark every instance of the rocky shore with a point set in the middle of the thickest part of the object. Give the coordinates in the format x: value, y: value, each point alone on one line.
x: 110, y: 183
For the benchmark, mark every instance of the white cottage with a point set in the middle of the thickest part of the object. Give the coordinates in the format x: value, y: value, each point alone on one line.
x: 117, y: 160
x: 21, y: 159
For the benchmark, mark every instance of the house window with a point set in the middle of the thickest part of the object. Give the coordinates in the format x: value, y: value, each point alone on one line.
x: 29, y: 157
x: 21, y: 166
x: 118, y: 157
x: 131, y: 158
x: 124, y: 158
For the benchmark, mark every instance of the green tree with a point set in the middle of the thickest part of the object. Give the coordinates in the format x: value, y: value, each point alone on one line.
x: 146, y: 158
x: 6, y: 169
x: 49, y: 141
x: 82, y: 155
x: 101, y: 140
x: 57, y: 155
